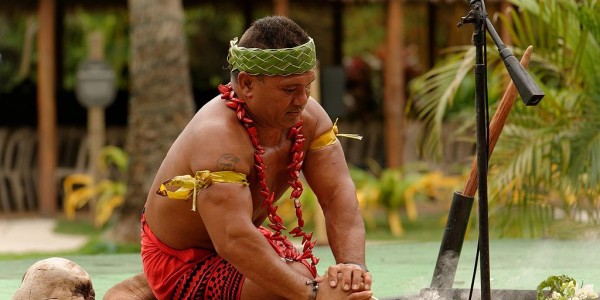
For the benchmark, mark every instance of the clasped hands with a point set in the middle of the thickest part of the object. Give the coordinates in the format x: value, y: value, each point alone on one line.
x: 346, y: 281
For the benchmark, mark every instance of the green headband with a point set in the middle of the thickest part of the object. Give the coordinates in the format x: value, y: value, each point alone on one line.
x: 285, y: 61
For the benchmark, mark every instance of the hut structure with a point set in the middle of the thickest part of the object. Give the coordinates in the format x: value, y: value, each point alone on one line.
x: 32, y: 158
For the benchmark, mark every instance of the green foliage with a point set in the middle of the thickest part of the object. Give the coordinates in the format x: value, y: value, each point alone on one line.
x: 208, y: 29
x: 548, y: 156
x: 113, y: 24
x: 563, y: 287
x: 393, y: 190
x: 557, y: 284
x: 447, y: 92
x: 104, y: 195
x: 15, y: 30
x: 366, y: 31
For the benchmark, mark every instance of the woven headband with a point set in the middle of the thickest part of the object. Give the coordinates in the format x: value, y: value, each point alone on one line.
x: 285, y: 61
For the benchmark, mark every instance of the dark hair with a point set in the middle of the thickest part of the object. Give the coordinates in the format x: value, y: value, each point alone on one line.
x: 273, y: 32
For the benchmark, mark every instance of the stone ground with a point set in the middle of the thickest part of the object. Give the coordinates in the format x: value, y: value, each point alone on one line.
x: 400, y: 269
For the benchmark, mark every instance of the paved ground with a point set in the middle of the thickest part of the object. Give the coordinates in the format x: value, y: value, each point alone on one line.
x: 400, y: 269
x: 35, y: 235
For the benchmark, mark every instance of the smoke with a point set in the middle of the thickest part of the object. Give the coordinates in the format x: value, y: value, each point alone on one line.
x: 445, y: 270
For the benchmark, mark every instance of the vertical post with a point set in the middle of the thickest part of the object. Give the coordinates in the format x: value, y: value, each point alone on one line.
x: 394, y: 93
x: 432, y: 23
x: 338, y: 32
x: 96, y: 121
x: 46, y: 100
x: 482, y: 152
x: 505, y: 9
x: 281, y: 7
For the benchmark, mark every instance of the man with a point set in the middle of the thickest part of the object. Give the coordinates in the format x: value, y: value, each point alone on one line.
x: 241, y: 152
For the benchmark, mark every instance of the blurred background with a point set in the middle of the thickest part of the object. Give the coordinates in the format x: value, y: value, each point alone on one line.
x: 92, y: 94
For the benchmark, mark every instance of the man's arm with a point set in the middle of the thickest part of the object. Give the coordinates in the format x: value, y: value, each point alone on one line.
x: 226, y: 210
x: 327, y: 173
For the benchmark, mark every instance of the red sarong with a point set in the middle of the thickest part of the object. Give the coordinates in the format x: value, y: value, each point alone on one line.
x: 187, y: 274
x: 194, y: 273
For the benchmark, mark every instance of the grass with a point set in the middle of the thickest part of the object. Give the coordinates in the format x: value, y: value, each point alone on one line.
x: 428, y: 227
x: 425, y: 229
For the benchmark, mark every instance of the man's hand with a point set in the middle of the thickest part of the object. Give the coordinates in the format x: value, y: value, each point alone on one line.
x: 327, y: 292
x: 349, y: 276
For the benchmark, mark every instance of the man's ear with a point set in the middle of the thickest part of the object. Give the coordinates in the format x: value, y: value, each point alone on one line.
x: 245, y: 83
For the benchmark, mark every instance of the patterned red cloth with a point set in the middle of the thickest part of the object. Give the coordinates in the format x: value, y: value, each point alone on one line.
x: 194, y: 273
x: 187, y: 274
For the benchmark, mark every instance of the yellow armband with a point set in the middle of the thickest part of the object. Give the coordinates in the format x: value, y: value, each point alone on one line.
x: 329, y: 138
x: 188, y: 185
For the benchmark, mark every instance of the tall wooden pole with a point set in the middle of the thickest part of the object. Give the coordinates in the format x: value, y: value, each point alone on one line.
x: 394, y: 90
x: 505, y: 9
x: 96, y: 120
x: 46, y: 101
x: 281, y: 7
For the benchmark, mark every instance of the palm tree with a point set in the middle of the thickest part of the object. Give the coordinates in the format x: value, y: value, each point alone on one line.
x: 546, y: 165
x: 161, y: 100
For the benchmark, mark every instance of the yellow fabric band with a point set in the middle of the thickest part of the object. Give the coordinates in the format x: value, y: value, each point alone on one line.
x: 188, y: 185
x: 330, y: 137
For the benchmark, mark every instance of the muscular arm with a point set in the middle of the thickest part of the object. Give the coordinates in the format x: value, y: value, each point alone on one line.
x: 327, y: 173
x: 227, y: 210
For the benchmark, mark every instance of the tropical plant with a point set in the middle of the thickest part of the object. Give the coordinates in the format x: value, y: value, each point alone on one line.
x: 548, y: 157
x: 367, y: 192
x: 395, y: 189
x: 563, y: 287
x: 112, y: 24
x: 107, y: 194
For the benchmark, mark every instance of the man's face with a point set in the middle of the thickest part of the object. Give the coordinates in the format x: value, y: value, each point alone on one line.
x: 278, y: 101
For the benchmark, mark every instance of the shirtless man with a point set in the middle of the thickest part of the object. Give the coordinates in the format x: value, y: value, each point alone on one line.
x: 240, y: 153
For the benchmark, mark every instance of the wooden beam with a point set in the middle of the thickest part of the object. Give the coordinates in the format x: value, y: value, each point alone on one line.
x: 46, y: 101
x: 505, y: 9
x: 281, y: 7
x: 338, y: 32
x: 394, y: 90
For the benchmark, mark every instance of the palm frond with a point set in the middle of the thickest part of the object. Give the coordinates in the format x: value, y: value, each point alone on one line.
x: 548, y: 156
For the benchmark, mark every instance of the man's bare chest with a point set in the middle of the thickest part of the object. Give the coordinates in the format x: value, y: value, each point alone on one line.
x: 274, y: 177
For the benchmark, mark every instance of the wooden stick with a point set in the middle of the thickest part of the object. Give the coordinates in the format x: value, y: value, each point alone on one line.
x: 496, y: 125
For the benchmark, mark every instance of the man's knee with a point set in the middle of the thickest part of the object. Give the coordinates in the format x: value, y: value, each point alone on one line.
x: 301, y: 268
x: 135, y: 288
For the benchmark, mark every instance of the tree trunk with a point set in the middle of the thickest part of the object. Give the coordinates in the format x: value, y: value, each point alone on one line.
x: 161, y: 100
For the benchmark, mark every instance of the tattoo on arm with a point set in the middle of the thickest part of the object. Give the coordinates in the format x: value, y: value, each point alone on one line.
x: 227, y: 162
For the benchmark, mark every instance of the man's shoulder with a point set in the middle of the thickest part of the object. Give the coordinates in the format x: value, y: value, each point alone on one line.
x: 316, y: 119
x: 214, y: 118
x: 213, y: 136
